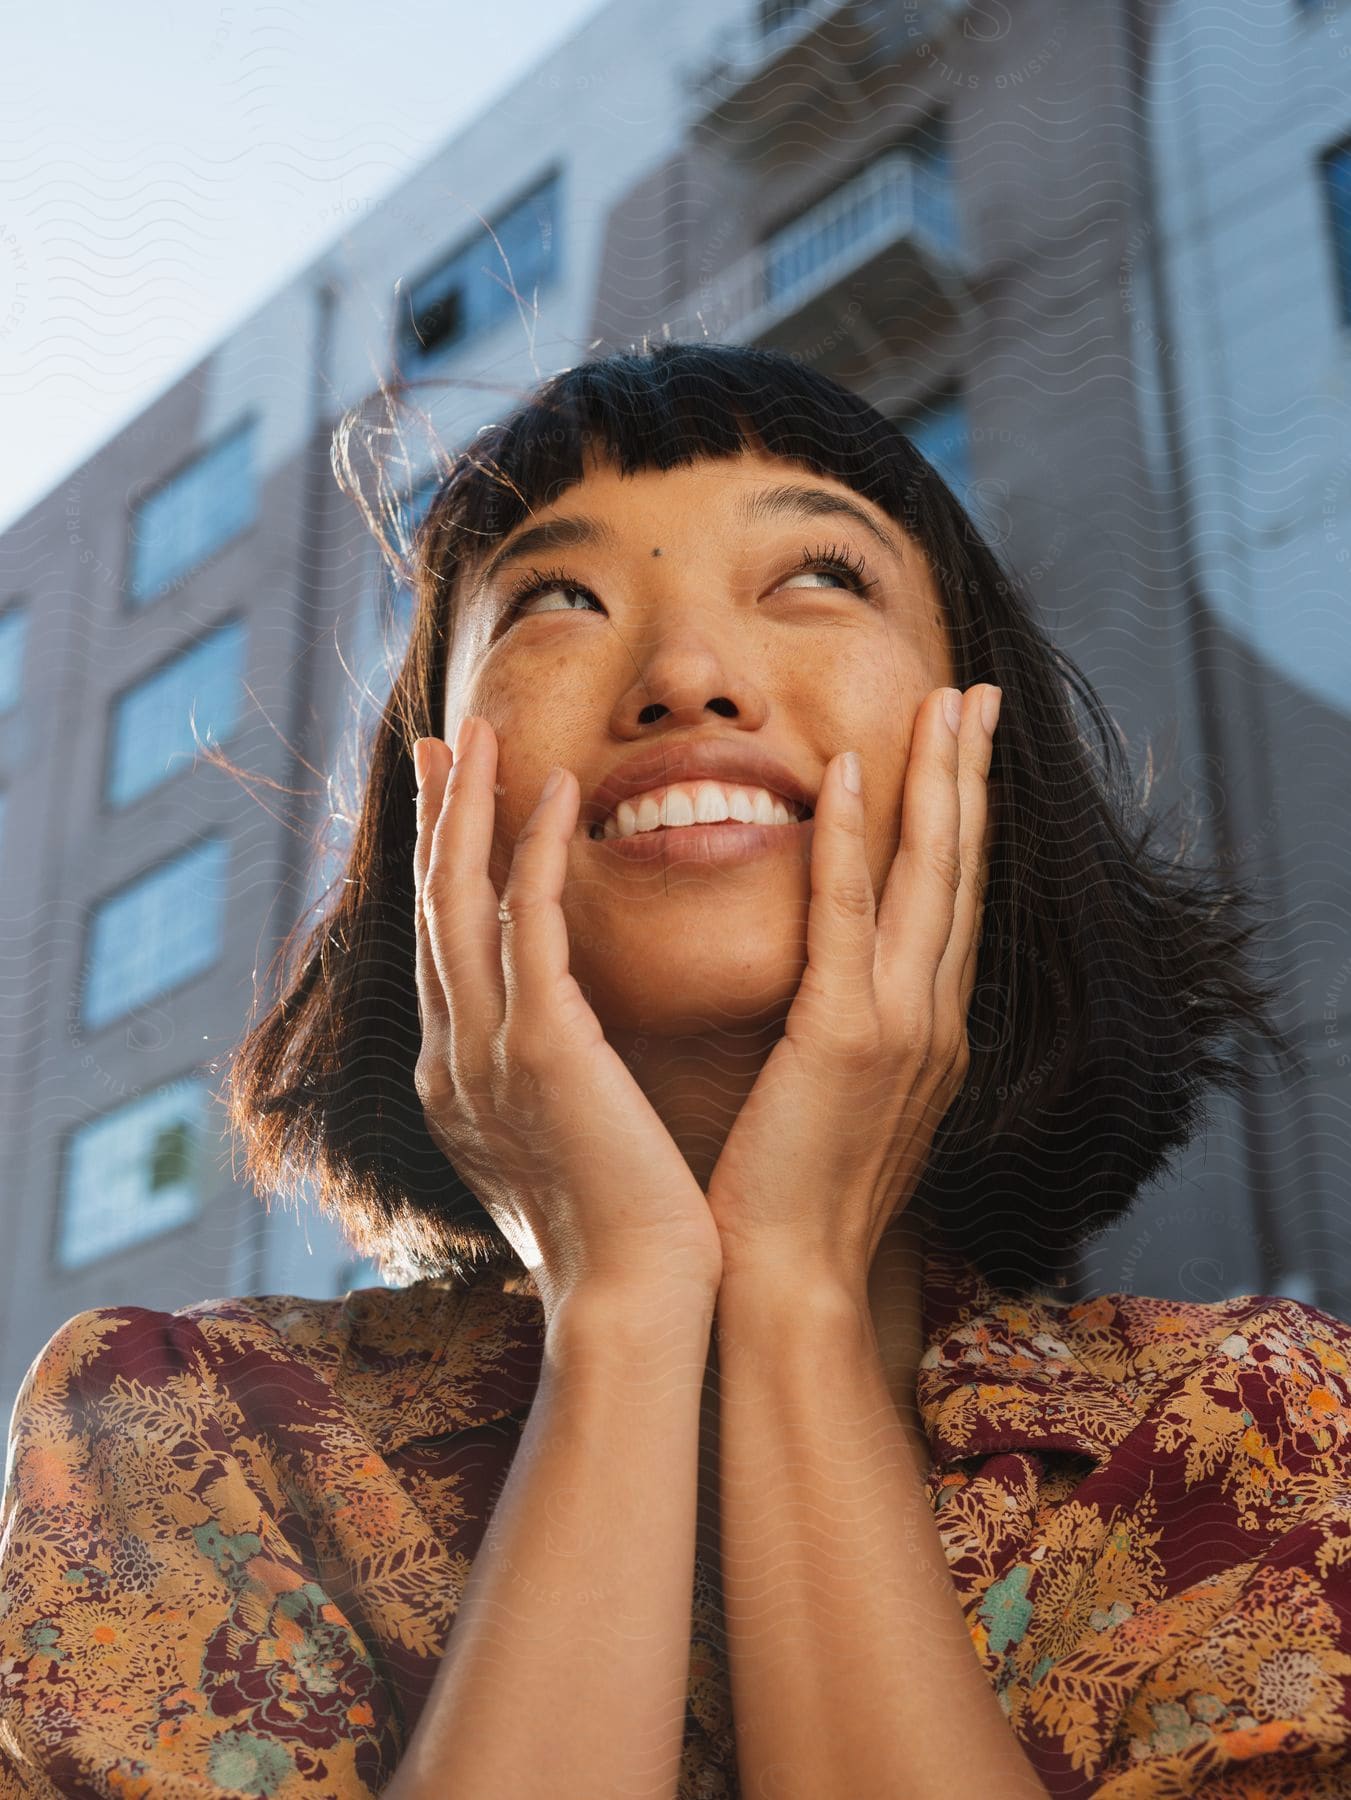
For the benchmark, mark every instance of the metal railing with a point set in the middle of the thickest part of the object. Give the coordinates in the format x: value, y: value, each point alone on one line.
x: 741, y: 50
x: 894, y: 196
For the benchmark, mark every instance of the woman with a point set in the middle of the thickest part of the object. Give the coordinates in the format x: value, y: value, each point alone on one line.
x: 736, y: 1104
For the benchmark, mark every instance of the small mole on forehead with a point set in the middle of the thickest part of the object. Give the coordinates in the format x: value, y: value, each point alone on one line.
x: 656, y: 551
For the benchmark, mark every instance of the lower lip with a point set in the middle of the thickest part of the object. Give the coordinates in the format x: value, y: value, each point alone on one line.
x: 727, y: 842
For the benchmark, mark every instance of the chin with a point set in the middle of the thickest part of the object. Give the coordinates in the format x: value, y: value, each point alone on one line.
x: 672, y: 990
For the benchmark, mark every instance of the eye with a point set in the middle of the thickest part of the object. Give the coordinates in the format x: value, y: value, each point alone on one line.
x: 847, y: 566
x: 839, y: 561
x: 536, y: 582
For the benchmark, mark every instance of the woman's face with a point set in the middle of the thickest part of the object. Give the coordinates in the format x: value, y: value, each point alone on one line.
x: 687, y: 615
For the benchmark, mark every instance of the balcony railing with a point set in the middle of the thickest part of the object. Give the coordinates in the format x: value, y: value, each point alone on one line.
x: 740, y: 56
x: 895, y: 197
x: 741, y: 50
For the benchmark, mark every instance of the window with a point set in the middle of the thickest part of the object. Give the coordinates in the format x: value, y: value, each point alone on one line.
x: 778, y: 15
x: 153, y: 723
x: 470, y: 291
x: 906, y: 187
x: 359, y: 1272
x: 939, y: 431
x: 133, y: 1173
x: 412, y: 511
x: 156, y: 933
x: 1337, y: 186
x: 13, y: 636
x: 190, y: 516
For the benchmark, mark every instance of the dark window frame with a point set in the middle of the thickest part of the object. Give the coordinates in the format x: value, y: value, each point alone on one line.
x: 1338, y: 215
x: 408, y: 344
x: 19, y: 606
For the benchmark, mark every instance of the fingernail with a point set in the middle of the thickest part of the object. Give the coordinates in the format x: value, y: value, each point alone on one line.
x: 551, y: 784
x: 989, y: 708
x: 463, y: 732
x: 853, y: 775
x: 420, y: 761
x: 952, y: 707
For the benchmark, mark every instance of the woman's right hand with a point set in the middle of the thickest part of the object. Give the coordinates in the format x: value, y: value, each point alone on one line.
x: 520, y: 1089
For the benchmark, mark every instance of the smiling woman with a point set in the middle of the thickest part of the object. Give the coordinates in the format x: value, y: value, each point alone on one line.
x: 750, y: 981
x: 817, y: 580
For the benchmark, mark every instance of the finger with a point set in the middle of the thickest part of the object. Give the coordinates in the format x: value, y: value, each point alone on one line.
x: 916, y: 911
x: 431, y: 791
x: 841, y: 921
x: 459, y: 898
x: 967, y: 983
x: 975, y: 746
x: 540, y: 991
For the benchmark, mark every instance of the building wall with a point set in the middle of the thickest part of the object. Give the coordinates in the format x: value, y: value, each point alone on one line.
x: 1244, y: 100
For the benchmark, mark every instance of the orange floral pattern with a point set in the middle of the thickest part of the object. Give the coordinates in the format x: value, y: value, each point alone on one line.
x: 233, y: 1538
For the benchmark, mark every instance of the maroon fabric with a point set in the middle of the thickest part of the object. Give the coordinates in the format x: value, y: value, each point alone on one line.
x: 233, y: 1538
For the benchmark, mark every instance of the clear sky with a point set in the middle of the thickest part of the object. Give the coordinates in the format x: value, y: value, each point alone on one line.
x: 164, y: 164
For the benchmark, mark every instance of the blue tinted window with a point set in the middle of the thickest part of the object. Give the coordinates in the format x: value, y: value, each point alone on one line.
x: 938, y: 429
x: 193, y: 514
x: 1337, y: 179
x: 133, y: 1173
x: 13, y: 637
x: 471, y: 290
x: 154, y: 722
x: 161, y: 930
x: 412, y: 511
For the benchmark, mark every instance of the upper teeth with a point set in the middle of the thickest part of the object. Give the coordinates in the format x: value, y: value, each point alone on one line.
x: 697, y: 803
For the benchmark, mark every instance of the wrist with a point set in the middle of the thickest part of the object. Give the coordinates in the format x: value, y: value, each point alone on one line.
x: 631, y: 1311
x: 793, y: 1289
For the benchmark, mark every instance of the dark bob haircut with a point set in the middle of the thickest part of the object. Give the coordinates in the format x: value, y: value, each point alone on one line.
x: 1114, y: 985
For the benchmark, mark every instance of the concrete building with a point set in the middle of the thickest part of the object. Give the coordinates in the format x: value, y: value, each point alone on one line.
x: 947, y: 216
x: 1238, y: 291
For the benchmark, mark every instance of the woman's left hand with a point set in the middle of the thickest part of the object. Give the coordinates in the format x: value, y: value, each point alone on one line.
x: 834, y: 1136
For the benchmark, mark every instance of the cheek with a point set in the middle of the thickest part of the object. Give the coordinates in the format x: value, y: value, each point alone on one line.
x: 531, y: 737
x: 883, y: 837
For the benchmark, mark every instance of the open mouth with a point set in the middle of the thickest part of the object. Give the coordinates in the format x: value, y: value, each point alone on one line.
x: 610, y: 828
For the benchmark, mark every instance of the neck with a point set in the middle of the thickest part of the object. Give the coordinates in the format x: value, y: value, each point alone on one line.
x: 697, y: 1085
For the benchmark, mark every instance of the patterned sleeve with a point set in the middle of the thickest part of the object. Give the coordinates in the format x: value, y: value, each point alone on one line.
x: 160, y: 1634
x: 1255, y: 1707
x: 1249, y: 1692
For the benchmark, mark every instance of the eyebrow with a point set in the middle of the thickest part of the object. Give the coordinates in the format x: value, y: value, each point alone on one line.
x: 792, y: 501
x: 788, y: 501
x: 551, y: 534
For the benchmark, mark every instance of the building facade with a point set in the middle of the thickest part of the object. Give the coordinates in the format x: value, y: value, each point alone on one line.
x: 952, y: 212
x: 1238, y: 291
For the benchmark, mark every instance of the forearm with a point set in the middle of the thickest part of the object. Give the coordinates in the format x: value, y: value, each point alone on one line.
x: 853, y: 1674
x: 568, y: 1662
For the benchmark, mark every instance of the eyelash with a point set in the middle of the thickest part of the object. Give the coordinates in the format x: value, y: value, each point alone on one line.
x: 833, y: 560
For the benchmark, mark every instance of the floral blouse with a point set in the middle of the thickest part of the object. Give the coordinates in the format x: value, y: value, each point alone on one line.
x: 233, y: 1537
